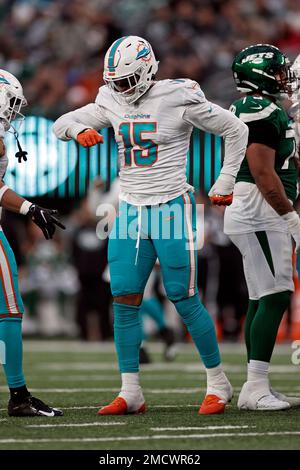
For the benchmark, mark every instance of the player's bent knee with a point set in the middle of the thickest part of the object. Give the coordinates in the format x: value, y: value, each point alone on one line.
x: 129, y: 299
x: 176, y: 291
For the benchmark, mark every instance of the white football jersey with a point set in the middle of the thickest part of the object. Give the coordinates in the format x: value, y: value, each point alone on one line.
x: 153, y: 136
x: 4, y: 159
x: 3, y: 163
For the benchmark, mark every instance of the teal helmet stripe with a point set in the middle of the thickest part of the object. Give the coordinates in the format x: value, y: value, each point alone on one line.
x: 112, y: 52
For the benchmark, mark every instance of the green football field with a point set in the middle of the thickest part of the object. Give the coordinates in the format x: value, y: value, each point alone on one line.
x: 80, y: 377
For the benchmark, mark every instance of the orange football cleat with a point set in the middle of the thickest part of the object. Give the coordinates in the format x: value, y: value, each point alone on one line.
x: 119, y: 407
x: 212, y: 405
x: 219, y: 200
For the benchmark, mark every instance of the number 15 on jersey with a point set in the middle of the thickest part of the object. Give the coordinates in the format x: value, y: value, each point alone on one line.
x: 138, y: 148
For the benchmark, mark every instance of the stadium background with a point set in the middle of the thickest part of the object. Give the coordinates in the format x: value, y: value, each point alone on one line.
x: 39, y: 43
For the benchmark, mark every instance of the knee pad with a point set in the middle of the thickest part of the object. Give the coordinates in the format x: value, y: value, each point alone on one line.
x: 125, y: 315
x: 176, y: 291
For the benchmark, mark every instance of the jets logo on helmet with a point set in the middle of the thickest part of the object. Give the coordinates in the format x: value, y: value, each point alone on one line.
x: 258, y: 58
x: 129, y: 68
x: 262, y: 68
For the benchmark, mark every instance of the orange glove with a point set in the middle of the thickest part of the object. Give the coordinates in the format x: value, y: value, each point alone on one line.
x: 218, y: 200
x: 221, y: 193
x: 89, y: 137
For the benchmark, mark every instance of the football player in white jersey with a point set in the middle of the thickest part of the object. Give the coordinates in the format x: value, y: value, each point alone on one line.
x: 153, y: 122
x: 21, y: 402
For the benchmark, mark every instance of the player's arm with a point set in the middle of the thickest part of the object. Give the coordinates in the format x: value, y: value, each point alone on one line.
x: 45, y: 219
x: 216, y: 120
x: 2, y: 145
x: 81, y: 125
x: 261, y: 161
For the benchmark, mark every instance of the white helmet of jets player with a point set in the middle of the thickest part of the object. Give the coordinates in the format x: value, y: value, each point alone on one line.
x: 11, y: 99
x: 129, y: 68
x: 296, y: 67
x: 294, y: 109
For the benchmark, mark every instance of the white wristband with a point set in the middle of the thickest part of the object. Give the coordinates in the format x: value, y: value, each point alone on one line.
x: 292, y: 219
x: 290, y: 216
x: 3, y: 190
x: 24, y: 209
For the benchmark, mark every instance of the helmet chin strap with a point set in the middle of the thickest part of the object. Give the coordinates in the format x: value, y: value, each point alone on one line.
x: 21, y: 154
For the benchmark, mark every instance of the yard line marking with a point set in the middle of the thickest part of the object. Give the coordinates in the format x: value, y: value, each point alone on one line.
x: 159, y: 391
x: 95, y: 346
x: 202, y: 428
x: 75, y: 425
x: 109, y: 378
x: 109, y: 347
x: 157, y: 367
x: 166, y: 391
x: 155, y: 437
x: 100, y: 390
x: 68, y: 390
x: 171, y: 377
x: 97, y: 407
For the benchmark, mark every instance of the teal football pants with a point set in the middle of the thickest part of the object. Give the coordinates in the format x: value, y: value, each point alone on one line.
x: 11, y: 311
x: 167, y: 232
x: 141, y: 235
x: 11, y: 305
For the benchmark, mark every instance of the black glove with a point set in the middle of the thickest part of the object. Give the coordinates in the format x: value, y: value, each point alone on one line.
x: 44, y: 218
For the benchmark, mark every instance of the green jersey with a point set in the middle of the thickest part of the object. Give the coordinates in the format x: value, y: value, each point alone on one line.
x: 269, y: 125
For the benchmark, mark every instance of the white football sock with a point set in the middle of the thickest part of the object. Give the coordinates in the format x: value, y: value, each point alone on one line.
x: 217, y: 383
x: 131, y: 390
x: 257, y: 370
x: 215, y: 377
x: 130, y: 380
x: 215, y: 374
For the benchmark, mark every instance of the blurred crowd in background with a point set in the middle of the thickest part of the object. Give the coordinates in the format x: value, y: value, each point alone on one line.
x: 56, y: 48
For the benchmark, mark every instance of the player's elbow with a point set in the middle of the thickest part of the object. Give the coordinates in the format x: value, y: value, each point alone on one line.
x: 238, y: 130
x: 264, y: 178
x: 59, y: 129
x: 242, y: 130
x: 260, y: 176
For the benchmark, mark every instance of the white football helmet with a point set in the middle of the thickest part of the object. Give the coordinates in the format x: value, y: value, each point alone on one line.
x: 129, y: 68
x: 294, y: 110
x: 11, y: 99
x: 296, y: 67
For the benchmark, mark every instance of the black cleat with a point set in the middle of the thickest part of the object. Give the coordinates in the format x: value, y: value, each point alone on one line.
x: 32, y: 406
